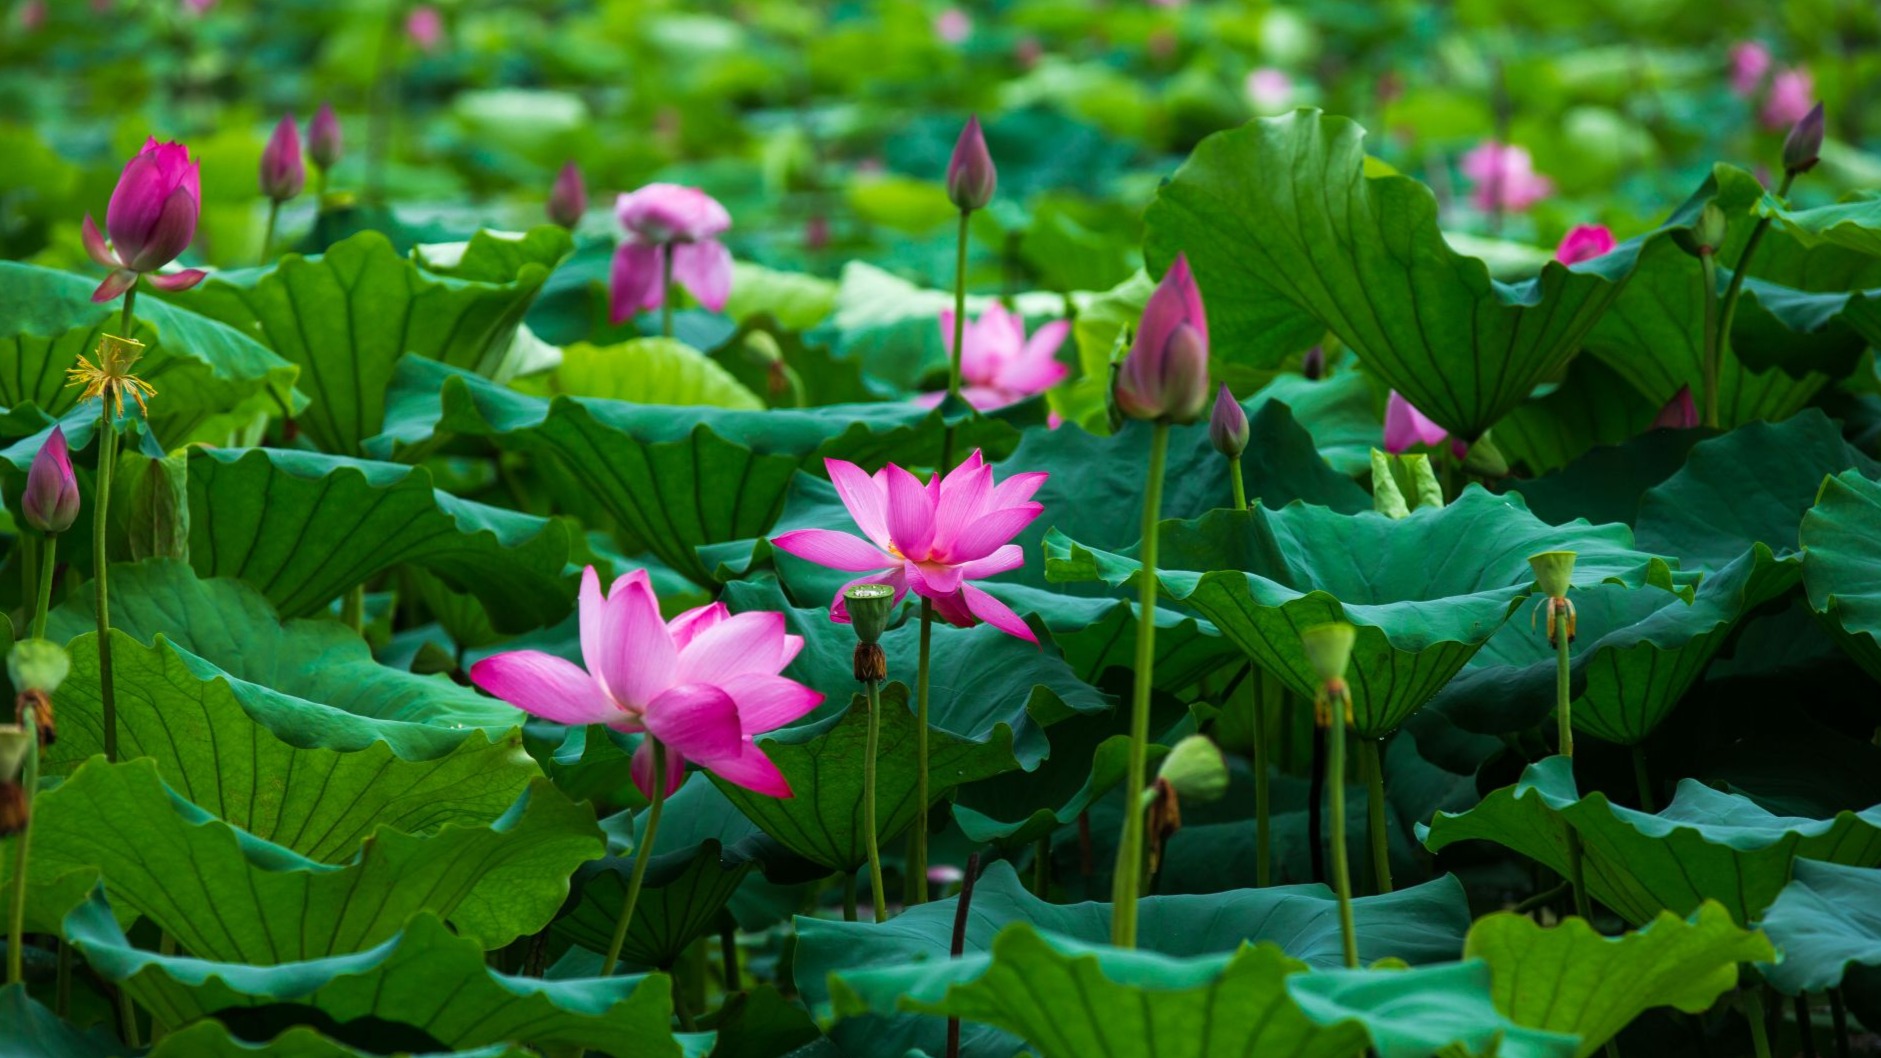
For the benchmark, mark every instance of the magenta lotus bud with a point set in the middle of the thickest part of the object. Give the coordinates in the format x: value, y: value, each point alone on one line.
x: 282, y: 172
x: 1803, y: 147
x: 323, y: 137
x: 153, y: 212
x: 50, y: 502
x: 1313, y: 366
x: 568, y: 199
x: 1679, y: 413
x: 1165, y: 375
x: 1227, y: 425
x: 971, y: 177
x: 1584, y: 242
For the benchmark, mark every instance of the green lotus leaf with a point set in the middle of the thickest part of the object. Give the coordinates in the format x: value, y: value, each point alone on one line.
x: 1434, y: 587
x: 348, y: 315
x: 1841, y: 538
x: 209, y: 377
x: 1852, y: 225
x: 305, y: 527
x: 228, y: 896
x: 32, y: 1031
x: 209, y: 1039
x: 424, y: 978
x: 1423, y: 924
x: 1706, y: 845
x: 682, y: 899
x: 1288, y: 236
x: 1605, y: 483
x: 1068, y: 999
x: 1591, y: 407
x: 645, y: 371
x: 1570, y: 979
x: 1826, y: 924
x: 786, y: 370
x: 306, y: 675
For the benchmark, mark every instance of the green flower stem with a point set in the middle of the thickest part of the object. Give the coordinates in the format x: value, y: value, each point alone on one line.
x: 642, y: 856
x: 666, y: 290
x: 127, y: 1020
x: 1753, y: 1013
x: 1128, y: 879
x: 1341, y: 868
x: 876, y: 890
x: 353, y: 609
x: 1739, y: 272
x: 917, y: 866
x: 849, y: 896
x: 1714, y: 344
x: 29, y: 569
x: 48, y: 558
x: 1564, y: 722
x: 728, y: 953
x: 62, y: 996
x: 1373, y: 765
x: 1234, y: 481
x: 1271, y: 689
x: 100, y: 522
x: 1642, y: 776
x: 960, y: 308
x: 267, y: 234
x: 16, y: 910
x: 1838, y: 1020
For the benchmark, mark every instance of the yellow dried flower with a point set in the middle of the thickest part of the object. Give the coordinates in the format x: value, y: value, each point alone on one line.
x: 110, y: 378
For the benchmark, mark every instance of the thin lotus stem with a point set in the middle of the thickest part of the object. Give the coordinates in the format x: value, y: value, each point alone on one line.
x: 1263, y: 805
x: 100, y: 558
x: 29, y: 569
x: 876, y: 890
x: 267, y: 234
x: 1234, y: 481
x: 1714, y: 344
x: 849, y: 896
x: 320, y: 188
x: 682, y: 1008
x: 1753, y: 1013
x: 1643, y: 776
x: 48, y: 556
x: 1128, y: 880
x: 728, y: 952
x: 960, y: 308
x: 127, y: 1019
x: 1739, y: 272
x: 666, y: 290
x: 1612, y: 1048
x: 1042, y: 868
x: 642, y: 856
x: 62, y: 996
x: 959, y: 946
x: 1316, y: 807
x: 917, y: 866
x: 353, y: 609
x: 127, y: 318
x: 1373, y: 765
x: 1542, y: 899
x: 1804, y: 1030
x: 1838, y: 1020
x: 1341, y: 868
x: 1564, y: 721
x: 16, y: 917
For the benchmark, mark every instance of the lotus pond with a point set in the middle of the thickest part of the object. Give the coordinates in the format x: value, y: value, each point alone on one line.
x: 881, y: 529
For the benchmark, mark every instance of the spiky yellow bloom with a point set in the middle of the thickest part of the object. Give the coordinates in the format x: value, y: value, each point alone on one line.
x: 110, y: 378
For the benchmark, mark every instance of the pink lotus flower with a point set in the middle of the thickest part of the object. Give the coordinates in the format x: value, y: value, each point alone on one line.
x: 1504, y: 177
x: 1165, y: 375
x: 1406, y: 427
x: 1679, y: 413
x: 1584, y: 242
x: 1000, y: 366
x: 31, y: 15
x: 50, y: 502
x: 425, y: 27
x: 283, y: 174
x: 703, y: 683
x: 953, y: 25
x: 151, y: 218
x: 1269, y: 90
x: 199, y: 7
x: 932, y: 539
x: 1750, y: 60
x: 1792, y: 94
x: 669, y: 219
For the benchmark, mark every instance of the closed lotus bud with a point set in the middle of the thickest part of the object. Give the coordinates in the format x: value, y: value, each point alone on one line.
x: 971, y: 177
x: 1165, y: 376
x: 37, y: 665
x: 1195, y: 769
x: 283, y: 174
x: 323, y: 137
x: 870, y: 606
x: 1314, y: 365
x: 1553, y: 571
x: 153, y: 211
x: 1227, y: 425
x: 1706, y: 233
x: 1803, y: 147
x: 568, y: 199
x: 1679, y: 413
x: 1329, y: 649
x: 50, y: 502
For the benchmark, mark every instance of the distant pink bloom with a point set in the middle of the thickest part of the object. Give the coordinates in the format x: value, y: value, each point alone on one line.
x: 1679, y: 413
x: 31, y: 15
x: 151, y: 218
x: 1750, y: 60
x: 703, y: 683
x: 283, y: 174
x: 199, y: 7
x: 953, y: 25
x: 425, y: 27
x: 1504, y: 178
x: 931, y: 538
x: 945, y: 874
x: 971, y: 176
x: 1584, y: 242
x: 1000, y: 366
x: 816, y: 233
x: 1028, y: 51
x: 669, y: 218
x: 1269, y: 90
x: 1167, y: 3
x: 568, y: 197
x: 1406, y: 427
x: 1792, y: 94
x: 1161, y: 44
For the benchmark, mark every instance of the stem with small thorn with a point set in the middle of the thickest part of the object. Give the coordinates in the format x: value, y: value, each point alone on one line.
x: 876, y: 890
x: 959, y: 946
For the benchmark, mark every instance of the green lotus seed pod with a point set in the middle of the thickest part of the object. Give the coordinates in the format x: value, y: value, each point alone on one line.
x: 1195, y: 769
x: 1553, y: 570
x: 1329, y: 649
x: 870, y: 606
x: 37, y: 665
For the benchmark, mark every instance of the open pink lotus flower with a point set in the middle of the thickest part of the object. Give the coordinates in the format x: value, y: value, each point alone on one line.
x: 1503, y: 177
x: 703, y: 683
x: 1750, y: 60
x: 669, y: 218
x: 1405, y: 427
x: 1000, y: 365
x: 933, y: 539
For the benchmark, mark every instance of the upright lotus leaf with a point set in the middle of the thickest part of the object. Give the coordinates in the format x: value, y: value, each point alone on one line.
x: 1593, y: 406
x: 348, y: 315
x: 1434, y: 587
x: 227, y: 896
x: 1570, y: 979
x: 210, y: 1039
x: 211, y: 377
x: 1097, y: 635
x: 311, y: 678
x: 1841, y: 538
x: 1706, y: 845
x: 676, y: 482
x: 1826, y: 925
x: 1069, y: 999
x: 1283, y: 223
x: 424, y: 978
x: 305, y: 527
x: 645, y: 371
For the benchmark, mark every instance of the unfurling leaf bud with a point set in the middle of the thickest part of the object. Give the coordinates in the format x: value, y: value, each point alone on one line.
x: 1195, y: 770
x: 1553, y: 571
x: 971, y: 177
x: 870, y: 606
x: 1803, y: 147
x: 1227, y: 425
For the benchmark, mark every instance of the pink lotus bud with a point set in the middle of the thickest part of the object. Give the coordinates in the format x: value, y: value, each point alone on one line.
x: 971, y: 177
x: 1803, y: 147
x: 1227, y: 425
x: 153, y: 212
x: 1750, y: 60
x: 323, y: 137
x: 425, y: 27
x: 1584, y: 242
x: 282, y: 173
x: 568, y: 199
x: 953, y: 25
x: 50, y: 502
x: 1679, y: 413
x: 1313, y: 365
x: 816, y: 233
x: 1165, y: 375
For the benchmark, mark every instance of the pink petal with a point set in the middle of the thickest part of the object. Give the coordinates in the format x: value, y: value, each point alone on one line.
x: 705, y: 269
x: 637, y: 654
x: 114, y: 284
x: 697, y: 719
x: 634, y: 281
x: 951, y: 607
x: 963, y: 499
x: 179, y: 280
x: 545, y: 686
x: 687, y: 626
x: 95, y: 247
x: 766, y: 703
x: 934, y: 580
x: 593, y: 615
x: 742, y: 643
x: 1027, y: 377
x: 983, y: 536
x: 643, y: 769
x: 864, y: 497
x: 910, y: 514
x: 752, y: 770
x: 996, y: 613
x: 834, y: 550
x: 1003, y: 559
x: 896, y: 578
x: 1017, y: 489
x: 793, y: 645
x: 1405, y: 426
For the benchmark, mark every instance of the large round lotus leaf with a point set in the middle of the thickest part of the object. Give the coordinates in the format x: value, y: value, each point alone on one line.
x: 1841, y: 538
x: 1426, y: 591
x: 1826, y: 925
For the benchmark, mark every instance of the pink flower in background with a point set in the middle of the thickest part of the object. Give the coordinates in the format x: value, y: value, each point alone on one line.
x: 1584, y: 242
x: 669, y: 218
x: 31, y: 15
x: 930, y: 538
x: 1028, y: 51
x: 703, y: 683
x: 152, y: 219
x: 999, y: 365
x: 953, y: 25
x: 283, y: 174
x: 1679, y: 413
x: 425, y: 27
x: 568, y: 197
x: 199, y: 7
x: 1269, y: 90
x: 1504, y: 178
x: 1406, y: 427
x: 1750, y: 60
x: 1792, y: 94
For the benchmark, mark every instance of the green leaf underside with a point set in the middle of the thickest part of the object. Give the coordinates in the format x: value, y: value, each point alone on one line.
x: 1842, y: 564
x: 1825, y: 922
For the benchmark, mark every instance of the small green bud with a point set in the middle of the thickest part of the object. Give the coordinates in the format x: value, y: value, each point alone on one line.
x: 1553, y: 571
x: 870, y: 606
x: 1195, y: 769
x: 1329, y: 649
x: 37, y: 665
x: 1706, y: 233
